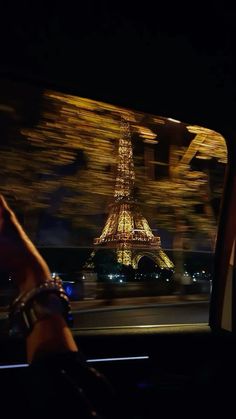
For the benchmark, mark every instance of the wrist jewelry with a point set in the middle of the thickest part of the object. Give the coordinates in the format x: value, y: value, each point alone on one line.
x: 37, y: 304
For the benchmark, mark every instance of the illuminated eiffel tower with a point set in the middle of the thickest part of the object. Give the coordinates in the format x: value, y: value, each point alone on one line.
x: 126, y: 229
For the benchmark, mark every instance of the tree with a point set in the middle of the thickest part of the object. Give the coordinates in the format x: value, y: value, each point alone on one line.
x: 65, y: 166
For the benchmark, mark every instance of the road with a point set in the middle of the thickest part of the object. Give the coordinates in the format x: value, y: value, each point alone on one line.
x: 153, y: 314
x: 191, y: 312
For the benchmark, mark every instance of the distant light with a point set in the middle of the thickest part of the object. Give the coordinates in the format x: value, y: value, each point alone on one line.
x: 167, y: 279
x: 54, y: 275
x: 110, y: 276
x: 203, y: 157
x: 9, y: 278
x: 83, y: 277
x: 150, y: 141
x: 203, y: 272
x: 174, y: 120
x: 121, y: 280
x: 68, y: 290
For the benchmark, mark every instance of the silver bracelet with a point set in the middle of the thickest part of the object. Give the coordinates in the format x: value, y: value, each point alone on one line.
x: 37, y: 304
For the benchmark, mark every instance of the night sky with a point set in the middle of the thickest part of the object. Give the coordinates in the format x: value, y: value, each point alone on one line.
x: 169, y: 60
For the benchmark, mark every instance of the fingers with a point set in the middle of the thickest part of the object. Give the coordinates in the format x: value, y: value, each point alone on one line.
x: 12, y: 235
x: 11, y: 243
x: 9, y: 225
x: 3, y: 203
x: 5, y: 212
x: 17, y: 252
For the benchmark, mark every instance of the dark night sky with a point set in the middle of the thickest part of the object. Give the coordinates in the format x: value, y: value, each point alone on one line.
x: 170, y: 60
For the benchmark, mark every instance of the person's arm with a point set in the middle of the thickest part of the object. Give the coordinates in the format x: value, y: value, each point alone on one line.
x: 50, y: 335
x: 28, y: 269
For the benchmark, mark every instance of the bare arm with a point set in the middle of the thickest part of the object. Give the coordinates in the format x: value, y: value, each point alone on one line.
x: 28, y: 269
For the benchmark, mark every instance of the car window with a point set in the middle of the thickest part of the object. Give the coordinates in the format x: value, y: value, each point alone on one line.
x: 123, y: 205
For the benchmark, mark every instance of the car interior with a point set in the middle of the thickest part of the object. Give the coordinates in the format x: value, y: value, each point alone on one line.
x: 182, y: 368
x: 118, y: 155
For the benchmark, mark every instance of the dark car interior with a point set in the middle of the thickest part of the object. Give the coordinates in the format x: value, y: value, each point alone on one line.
x: 165, y: 370
x: 186, y: 370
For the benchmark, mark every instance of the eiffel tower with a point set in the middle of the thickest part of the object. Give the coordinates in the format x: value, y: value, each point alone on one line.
x: 126, y: 230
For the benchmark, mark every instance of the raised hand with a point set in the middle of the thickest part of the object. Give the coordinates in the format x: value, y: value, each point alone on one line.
x: 18, y: 255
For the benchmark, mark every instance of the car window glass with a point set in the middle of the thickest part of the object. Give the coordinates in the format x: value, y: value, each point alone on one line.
x: 123, y: 205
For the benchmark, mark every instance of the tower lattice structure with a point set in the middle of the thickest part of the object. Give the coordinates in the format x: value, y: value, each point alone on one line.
x: 126, y: 230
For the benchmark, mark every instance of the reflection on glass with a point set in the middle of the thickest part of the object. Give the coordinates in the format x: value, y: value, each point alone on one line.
x: 121, y: 204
